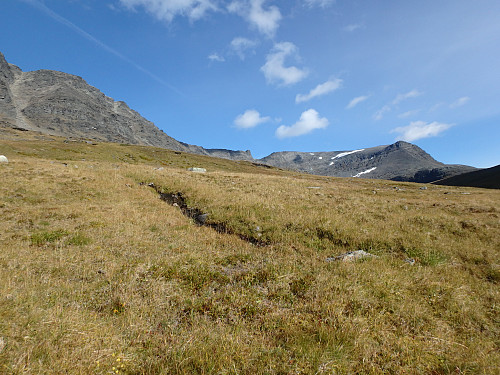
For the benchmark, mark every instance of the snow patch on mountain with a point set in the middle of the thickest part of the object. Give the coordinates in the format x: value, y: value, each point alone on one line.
x: 346, y: 153
x: 365, y: 172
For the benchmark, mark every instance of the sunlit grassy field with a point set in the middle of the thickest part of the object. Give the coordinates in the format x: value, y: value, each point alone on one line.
x: 100, y: 276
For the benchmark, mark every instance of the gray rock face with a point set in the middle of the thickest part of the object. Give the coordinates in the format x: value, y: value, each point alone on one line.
x: 229, y: 154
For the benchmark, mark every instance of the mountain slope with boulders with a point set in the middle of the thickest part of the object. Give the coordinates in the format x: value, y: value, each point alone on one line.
x: 62, y: 104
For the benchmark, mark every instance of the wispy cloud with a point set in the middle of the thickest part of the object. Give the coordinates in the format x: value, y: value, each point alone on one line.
x: 353, y: 27
x: 216, y: 57
x: 354, y: 102
x: 460, y: 102
x: 309, y: 121
x: 321, y: 3
x: 322, y: 89
x: 420, y: 129
x: 398, y: 99
x: 265, y: 20
x: 42, y: 7
x: 402, y: 97
x: 241, y: 45
x: 167, y: 10
x: 381, y: 112
x: 250, y: 119
x: 409, y: 113
x: 275, y: 70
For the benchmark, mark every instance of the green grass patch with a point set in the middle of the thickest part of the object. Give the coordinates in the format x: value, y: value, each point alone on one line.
x: 46, y: 237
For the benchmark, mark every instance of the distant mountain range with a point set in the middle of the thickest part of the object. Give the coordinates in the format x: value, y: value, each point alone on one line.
x: 401, y: 161
x: 62, y: 104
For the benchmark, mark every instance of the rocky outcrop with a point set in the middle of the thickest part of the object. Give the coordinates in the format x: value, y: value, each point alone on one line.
x: 230, y: 154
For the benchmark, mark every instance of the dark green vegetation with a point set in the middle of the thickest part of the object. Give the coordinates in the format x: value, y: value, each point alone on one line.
x: 101, y: 276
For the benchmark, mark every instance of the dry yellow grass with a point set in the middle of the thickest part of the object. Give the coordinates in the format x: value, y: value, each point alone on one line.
x: 98, y: 275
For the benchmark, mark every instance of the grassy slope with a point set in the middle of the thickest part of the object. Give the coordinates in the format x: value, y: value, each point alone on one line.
x: 100, y: 276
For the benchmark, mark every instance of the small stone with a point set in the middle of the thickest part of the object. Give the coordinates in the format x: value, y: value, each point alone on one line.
x: 3, y: 159
x: 202, y: 218
x: 410, y: 261
x: 351, y: 256
x: 423, y: 188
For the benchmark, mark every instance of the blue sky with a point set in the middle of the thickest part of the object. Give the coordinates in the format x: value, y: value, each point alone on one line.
x: 275, y: 75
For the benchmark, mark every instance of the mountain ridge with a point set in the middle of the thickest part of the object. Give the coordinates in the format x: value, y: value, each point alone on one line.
x: 63, y: 104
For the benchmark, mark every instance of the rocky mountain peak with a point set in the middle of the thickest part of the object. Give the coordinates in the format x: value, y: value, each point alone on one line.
x: 5, y: 71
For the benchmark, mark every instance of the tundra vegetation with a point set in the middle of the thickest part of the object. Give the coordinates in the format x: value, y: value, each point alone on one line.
x: 100, y: 276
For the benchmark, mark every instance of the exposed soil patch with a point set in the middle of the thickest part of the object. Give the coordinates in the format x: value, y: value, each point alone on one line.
x: 198, y: 216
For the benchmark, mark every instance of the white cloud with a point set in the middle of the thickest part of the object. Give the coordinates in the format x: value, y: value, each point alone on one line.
x: 215, y: 57
x: 408, y: 95
x: 240, y: 45
x: 460, y: 102
x: 420, y: 129
x: 275, y: 70
x: 321, y: 3
x: 353, y: 103
x: 266, y: 21
x: 250, y: 119
x: 167, y: 10
x: 309, y: 120
x: 321, y: 89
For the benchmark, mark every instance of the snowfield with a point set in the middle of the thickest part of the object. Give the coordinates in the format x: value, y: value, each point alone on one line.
x: 346, y: 153
x: 365, y: 172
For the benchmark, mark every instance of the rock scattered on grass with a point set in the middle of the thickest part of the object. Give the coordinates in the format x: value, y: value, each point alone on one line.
x: 3, y: 159
x: 198, y: 170
x: 351, y: 256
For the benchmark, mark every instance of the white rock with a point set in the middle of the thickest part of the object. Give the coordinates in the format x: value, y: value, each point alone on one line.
x: 3, y: 159
x: 198, y: 170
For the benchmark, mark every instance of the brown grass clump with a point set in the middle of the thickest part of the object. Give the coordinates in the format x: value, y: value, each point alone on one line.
x: 101, y: 276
